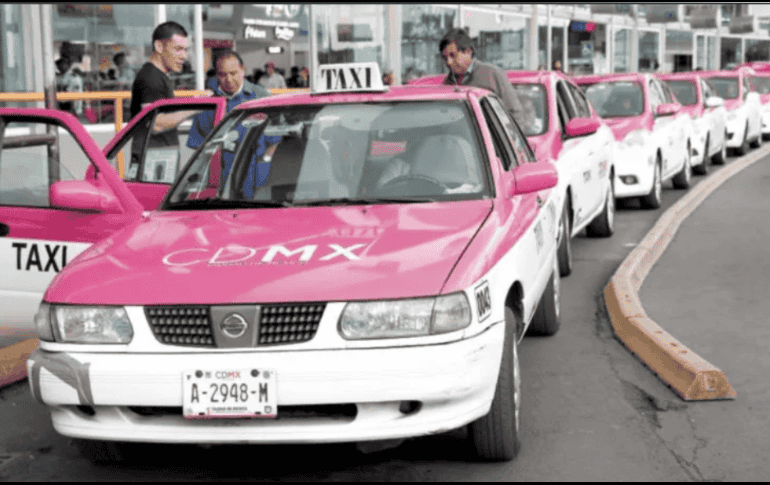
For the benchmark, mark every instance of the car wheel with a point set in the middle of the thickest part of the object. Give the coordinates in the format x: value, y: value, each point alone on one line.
x: 744, y: 148
x: 103, y: 451
x: 652, y: 200
x: 766, y: 136
x: 604, y: 224
x: 757, y: 141
x: 721, y: 156
x: 547, y: 320
x: 703, y: 167
x: 497, y: 436
x: 564, y: 253
x: 682, y: 179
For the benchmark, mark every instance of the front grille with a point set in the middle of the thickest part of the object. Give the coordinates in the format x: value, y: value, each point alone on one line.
x: 189, y: 326
x: 289, y: 323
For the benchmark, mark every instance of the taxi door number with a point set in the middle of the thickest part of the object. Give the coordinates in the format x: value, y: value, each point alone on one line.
x: 229, y: 393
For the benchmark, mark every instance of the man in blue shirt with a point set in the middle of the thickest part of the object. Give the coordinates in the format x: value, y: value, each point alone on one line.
x: 231, y: 83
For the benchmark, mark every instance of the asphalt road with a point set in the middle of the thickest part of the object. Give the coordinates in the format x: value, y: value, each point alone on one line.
x: 591, y: 410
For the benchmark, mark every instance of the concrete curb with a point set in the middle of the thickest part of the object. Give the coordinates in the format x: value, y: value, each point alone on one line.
x: 13, y: 361
x: 691, y: 376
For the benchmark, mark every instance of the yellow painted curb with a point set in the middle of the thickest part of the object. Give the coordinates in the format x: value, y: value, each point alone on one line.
x: 688, y: 374
x: 13, y: 361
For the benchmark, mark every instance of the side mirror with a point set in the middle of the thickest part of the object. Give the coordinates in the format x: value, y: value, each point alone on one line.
x: 80, y: 195
x: 714, y: 102
x: 534, y: 177
x: 667, y: 109
x: 581, y: 126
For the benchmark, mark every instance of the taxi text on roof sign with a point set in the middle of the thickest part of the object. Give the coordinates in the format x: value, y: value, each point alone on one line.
x: 359, y: 76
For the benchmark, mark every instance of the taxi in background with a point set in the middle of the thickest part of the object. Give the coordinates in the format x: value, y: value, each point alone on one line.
x: 760, y: 83
x: 744, y: 111
x: 367, y: 277
x: 561, y: 125
x: 708, y: 114
x: 653, y: 137
x: 59, y: 194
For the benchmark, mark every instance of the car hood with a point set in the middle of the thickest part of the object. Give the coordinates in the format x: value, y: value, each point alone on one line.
x: 275, y: 255
x: 623, y: 126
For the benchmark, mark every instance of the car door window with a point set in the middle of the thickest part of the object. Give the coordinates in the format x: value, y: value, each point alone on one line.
x: 583, y: 109
x: 562, y: 93
x: 30, y: 161
x: 503, y: 148
x: 656, y: 96
x: 151, y: 156
x: 516, y: 138
x: 668, y: 96
x: 746, y: 88
x: 706, y: 90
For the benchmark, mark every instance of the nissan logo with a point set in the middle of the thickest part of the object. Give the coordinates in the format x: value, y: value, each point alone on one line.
x: 233, y: 325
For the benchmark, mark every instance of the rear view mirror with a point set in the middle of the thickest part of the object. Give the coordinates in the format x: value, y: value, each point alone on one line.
x: 581, y: 126
x: 534, y: 177
x: 667, y: 109
x: 80, y: 195
x: 714, y: 102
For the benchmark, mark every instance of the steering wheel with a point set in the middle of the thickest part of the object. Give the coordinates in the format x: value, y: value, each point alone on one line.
x: 421, y: 180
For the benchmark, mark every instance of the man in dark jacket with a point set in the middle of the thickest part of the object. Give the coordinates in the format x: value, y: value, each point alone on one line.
x: 457, y: 48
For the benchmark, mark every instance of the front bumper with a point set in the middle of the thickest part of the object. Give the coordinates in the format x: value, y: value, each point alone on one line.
x: 454, y: 384
x: 736, y: 131
x: 637, y: 164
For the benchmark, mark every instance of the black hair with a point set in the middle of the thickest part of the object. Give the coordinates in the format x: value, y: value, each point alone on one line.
x: 116, y: 57
x: 228, y: 53
x: 63, y: 64
x: 167, y: 30
x: 459, y: 37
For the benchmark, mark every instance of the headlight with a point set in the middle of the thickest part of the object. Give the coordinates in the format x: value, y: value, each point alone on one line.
x: 405, y: 318
x: 634, y: 139
x: 83, y: 324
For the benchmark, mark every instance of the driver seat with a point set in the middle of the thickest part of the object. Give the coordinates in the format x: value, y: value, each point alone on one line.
x: 446, y: 158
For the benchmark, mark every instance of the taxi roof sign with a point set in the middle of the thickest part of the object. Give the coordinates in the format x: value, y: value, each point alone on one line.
x: 348, y: 77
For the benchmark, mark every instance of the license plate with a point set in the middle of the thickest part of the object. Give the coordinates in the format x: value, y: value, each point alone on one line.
x: 229, y: 393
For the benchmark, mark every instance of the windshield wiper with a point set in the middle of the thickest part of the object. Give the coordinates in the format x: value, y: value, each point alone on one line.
x: 363, y: 201
x: 226, y: 204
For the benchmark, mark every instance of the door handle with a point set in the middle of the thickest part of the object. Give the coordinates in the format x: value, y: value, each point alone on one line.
x: 4, y: 230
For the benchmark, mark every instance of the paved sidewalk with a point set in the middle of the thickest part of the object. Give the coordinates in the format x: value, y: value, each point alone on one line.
x: 709, y: 290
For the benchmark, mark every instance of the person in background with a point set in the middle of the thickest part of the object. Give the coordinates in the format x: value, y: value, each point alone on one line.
x: 387, y: 77
x: 457, y: 49
x: 231, y: 83
x: 294, y: 81
x: 257, y: 76
x: 409, y: 75
x: 557, y: 66
x: 304, y: 75
x: 125, y: 73
x: 272, y: 80
x: 70, y: 82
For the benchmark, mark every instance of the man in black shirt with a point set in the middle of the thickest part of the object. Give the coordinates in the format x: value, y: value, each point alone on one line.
x: 152, y: 82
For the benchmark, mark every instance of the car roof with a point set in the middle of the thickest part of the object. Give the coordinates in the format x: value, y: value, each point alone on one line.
x: 708, y: 74
x: 597, y: 78
x: 396, y: 93
x: 540, y: 76
x: 672, y: 76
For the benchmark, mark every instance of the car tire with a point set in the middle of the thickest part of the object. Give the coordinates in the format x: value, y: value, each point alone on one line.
x: 653, y: 199
x: 766, y: 136
x: 497, y: 436
x: 603, y: 225
x: 720, y: 157
x: 703, y: 167
x: 757, y: 141
x: 564, y: 252
x: 547, y: 319
x: 682, y: 179
x: 103, y: 452
x: 744, y: 148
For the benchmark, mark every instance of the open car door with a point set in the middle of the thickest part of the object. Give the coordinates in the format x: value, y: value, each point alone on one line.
x: 152, y: 157
x: 50, y: 209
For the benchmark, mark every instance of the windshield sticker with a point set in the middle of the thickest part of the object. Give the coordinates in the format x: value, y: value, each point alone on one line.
x: 483, y: 301
x: 237, y: 255
x: 254, y: 119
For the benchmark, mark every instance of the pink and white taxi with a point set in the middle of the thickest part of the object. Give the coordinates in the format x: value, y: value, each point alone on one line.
x: 362, y: 270
x: 744, y: 111
x: 59, y: 194
x: 707, y: 111
x: 653, y: 139
x: 760, y: 84
x: 562, y: 126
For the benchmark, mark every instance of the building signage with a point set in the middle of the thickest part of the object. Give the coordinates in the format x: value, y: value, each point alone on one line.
x: 284, y: 33
x: 582, y: 26
x: 254, y: 33
x: 704, y: 17
x: 662, y: 12
x: 742, y: 24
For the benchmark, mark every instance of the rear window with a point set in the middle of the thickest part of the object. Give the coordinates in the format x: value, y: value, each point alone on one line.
x: 685, y: 92
x: 534, y: 101
x: 726, y: 87
x: 616, y: 99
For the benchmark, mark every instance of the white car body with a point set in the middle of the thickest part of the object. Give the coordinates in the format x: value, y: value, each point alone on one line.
x: 744, y: 111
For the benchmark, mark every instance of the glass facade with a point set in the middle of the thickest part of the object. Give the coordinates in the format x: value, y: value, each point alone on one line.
x: 622, y: 57
x: 757, y: 50
x: 500, y: 39
x: 350, y: 33
x: 422, y: 27
x: 731, y: 52
x: 587, y: 48
x: 557, y: 46
x: 12, y: 68
x: 648, y: 51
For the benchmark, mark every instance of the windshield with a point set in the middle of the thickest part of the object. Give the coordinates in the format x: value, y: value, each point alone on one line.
x: 726, y: 87
x: 684, y: 91
x: 761, y: 84
x: 533, y: 100
x: 616, y: 99
x: 339, y: 153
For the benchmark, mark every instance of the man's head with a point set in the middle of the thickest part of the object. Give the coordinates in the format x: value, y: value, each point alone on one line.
x: 170, y: 43
x: 230, y: 72
x: 119, y: 59
x: 304, y: 72
x: 270, y: 68
x: 457, y: 48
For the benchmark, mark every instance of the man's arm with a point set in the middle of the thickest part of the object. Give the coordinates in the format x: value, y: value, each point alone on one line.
x: 169, y: 121
x: 508, y: 95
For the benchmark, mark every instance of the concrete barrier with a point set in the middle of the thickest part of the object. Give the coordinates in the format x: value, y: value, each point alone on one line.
x: 688, y: 374
x: 13, y: 361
